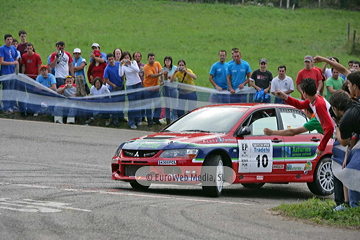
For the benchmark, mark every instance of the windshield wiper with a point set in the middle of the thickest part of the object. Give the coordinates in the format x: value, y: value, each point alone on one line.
x: 195, y: 130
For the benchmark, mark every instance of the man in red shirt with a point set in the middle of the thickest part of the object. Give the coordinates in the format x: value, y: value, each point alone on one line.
x: 319, y: 106
x: 309, y: 72
x: 31, y: 62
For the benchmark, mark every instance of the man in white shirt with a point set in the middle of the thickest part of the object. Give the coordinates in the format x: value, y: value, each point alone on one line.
x: 283, y: 83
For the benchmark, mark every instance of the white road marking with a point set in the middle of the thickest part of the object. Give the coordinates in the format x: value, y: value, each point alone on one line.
x: 118, y: 192
x: 35, y: 206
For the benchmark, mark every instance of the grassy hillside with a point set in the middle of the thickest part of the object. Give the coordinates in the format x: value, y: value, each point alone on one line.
x: 194, y: 32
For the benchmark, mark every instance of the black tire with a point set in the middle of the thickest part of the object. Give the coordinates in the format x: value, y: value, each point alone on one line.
x: 323, y: 184
x: 209, y: 188
x: 253, y: 185
x: 136, y: 185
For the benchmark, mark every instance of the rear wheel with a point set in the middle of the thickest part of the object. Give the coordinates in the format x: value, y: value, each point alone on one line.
x: 253, y: 185
x: 323, y: 183
x: 144, y: 185
x: 213, y: 176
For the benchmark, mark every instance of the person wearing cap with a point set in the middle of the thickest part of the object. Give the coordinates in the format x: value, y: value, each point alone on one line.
x: 96, y: 68
x: 79, y: 64
x: 94, y: 47
x: 261, y: 79
x: 61, y: 61
x: 309, y: 72
x: 31, y: 62
x: 45, y: 78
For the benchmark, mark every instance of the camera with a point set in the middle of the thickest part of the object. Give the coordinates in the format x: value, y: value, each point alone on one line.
x: 69, y: 85
x: 181, y: 68
x: 59, y: 53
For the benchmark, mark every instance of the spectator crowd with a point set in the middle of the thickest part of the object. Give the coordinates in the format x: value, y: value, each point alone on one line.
x: 329, y: 94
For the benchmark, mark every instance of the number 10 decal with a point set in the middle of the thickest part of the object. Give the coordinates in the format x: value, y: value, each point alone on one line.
x: 263, y: 162
x: 255, y: 156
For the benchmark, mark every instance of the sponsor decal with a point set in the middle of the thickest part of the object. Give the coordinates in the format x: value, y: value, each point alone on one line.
x: 259, y: 177
x: 308, y: 166
x: 167, y: 162
x: 300, y: 167
x: 278, y: 166
x: 143, y: 144
x: 295, y: 167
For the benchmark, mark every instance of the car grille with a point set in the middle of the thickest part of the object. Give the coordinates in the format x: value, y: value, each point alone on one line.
x: 130, y: 170
x: 140, y: 153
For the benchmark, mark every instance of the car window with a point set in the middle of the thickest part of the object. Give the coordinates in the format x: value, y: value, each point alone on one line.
x: 293, y: 119
x: 265, y: 118
x: 209, y: 119
x: 259, y: 125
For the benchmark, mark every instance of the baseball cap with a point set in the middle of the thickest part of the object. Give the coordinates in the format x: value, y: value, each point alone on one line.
x: 308, y: 58
x: 77, y: 50
x: 97, y: 53
x: 263, y: 60
x: 44, y: 66
x: 95, y: 45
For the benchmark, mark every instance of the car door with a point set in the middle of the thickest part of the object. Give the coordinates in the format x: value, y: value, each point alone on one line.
x: 299, y: 150
x: 259, y: 153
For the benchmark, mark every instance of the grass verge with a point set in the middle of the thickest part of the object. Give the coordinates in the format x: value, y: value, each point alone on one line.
x: 321, y: 212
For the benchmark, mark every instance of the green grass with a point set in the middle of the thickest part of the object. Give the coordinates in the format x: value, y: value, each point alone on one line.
x: 321, y: 212
x: 194, y: 32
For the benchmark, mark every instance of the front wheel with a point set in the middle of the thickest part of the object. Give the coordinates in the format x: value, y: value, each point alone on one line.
x: 137, y: 185
x: 213, y: 172
x: 253, y: 185
x: 323, y: 183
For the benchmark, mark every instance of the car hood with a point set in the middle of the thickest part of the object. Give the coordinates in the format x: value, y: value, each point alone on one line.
x: 171, y: 140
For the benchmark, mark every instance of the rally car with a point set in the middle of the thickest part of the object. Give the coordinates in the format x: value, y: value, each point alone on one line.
x: 219, y: 144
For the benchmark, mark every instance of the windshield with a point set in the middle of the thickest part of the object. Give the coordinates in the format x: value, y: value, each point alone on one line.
x: 218, y: 119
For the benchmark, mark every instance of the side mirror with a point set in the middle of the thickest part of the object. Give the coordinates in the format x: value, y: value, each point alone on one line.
x: 243, y: 131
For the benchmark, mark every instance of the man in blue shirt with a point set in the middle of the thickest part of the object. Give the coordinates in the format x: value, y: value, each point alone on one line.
x: 45, y: 78
x: 8, y: 56
x: 115, y: 83
x: 79, y: 64
x: 218, y: 78
x: 239, y: 73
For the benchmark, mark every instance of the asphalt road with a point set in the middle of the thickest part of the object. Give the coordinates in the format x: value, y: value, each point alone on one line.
x: 55, y: 184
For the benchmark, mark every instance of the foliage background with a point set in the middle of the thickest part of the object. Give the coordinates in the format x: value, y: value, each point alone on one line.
x: 194, y: 32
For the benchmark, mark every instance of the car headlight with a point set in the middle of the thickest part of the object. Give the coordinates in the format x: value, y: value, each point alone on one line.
x: 179, y: 153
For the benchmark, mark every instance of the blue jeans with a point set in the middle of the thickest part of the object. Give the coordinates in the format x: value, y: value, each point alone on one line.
x: 239, y: 98
x: 354, y: 198
x: 121, y: 100
x: 171, y: 101
x: 191, y: 104
x: 59, y: 82
x: 279, y: 100
x: 8, y: 85
x: 152, y: 97
x: 219, y: 98
x: 134, y: 116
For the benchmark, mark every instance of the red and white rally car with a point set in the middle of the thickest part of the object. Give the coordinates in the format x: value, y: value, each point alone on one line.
x: 226, y: 143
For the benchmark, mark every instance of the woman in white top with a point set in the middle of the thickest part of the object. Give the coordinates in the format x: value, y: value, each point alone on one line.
x: 97, y: 89
x: 131, y: 70
x: 170, y: 91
